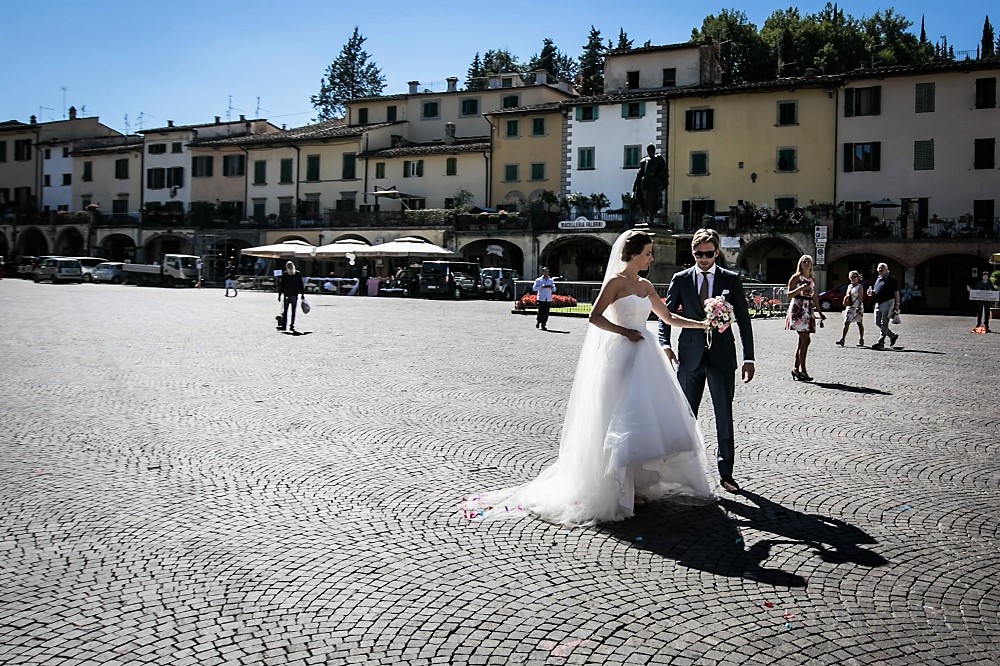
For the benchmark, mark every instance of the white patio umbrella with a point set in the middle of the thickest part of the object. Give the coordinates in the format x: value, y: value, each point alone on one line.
x: 404, y: 247
x: 290, y: 248
x: 339, y: 248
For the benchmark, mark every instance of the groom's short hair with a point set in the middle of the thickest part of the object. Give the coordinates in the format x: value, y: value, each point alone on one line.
x: 706, y: 236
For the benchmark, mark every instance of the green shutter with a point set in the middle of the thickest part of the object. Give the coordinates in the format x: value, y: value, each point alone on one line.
x: 710, y: 119
x: 849, y: 102
x: 642, y: 109
x: 406, y: 168
x: 689, y: 120
x: 876, y: 100
x: 625, y: 110
x: 876, y: 155
x: 579, y: 113
x: 597, y: 110
x: 848, y: 157
x: 420, y: 167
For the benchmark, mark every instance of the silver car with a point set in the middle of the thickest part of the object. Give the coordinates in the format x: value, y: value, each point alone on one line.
x: 109, y: 271
x: 499, y: 282
x: 59, y: 269
x: 88, y: 264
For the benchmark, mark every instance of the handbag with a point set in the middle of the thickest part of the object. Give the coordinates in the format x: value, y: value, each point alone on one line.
x: 847, y: 301
x: 896, y: 319
x: 305, y: 306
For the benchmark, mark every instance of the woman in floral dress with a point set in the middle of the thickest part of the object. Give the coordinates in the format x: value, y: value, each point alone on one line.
x: 854, y: 308
x: 802, y: 290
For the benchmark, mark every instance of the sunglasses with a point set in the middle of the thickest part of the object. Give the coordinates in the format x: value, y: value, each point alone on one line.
x: 703, y: 255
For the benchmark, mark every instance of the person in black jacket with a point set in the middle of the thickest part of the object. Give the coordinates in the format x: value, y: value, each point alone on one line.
x: 289, y: 286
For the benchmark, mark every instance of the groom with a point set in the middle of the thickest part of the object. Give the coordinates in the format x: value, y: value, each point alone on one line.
x: 717, y: 364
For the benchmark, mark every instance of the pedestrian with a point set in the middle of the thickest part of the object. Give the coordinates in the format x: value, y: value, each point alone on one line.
x: 289, y: 287
x: 231, y: 279
x: 983, y: 307
x: 544, y: 287
x: 854, y: 309
x: 801, y: 317
x: 700, y: 362
x: 885, y: 291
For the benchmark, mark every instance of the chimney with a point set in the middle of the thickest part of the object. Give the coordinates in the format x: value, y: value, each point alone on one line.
x: 452, y: 83
x: 72, y: 113
x: 170, y: 123
x: 810, y: 73
x: 709, y: 67
x: 243, y: 118
x: 218, y: 120
x: 33, y: 120
x: 414, y: 85
x: 449, y: 133
x: 541, y: 77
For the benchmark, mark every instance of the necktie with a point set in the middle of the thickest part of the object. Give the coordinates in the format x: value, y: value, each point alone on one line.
x: 703, y: 292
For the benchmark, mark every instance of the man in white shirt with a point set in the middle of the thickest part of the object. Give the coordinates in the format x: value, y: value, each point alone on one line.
x: 544, y: 287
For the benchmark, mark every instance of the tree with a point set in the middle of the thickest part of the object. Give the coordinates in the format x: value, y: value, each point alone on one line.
x: 553, y: 61
x: 475, y: 77
x: 743, y: 55
x: 350, y: 76
x: 988, y: 46
x: 592, y: 65
x: 624, y: 43
x: 500, y: 61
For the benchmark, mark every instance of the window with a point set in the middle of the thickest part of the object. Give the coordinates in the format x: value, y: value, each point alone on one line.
x: 363, y: 116
x: 415, y: 203
x: 513, y: 128
x: 538, y: 127
x: 924, y: 98
x: 585, y: 158
x: 699, y: 164
x: 786, y: 159
x: 65, y: 151
x: 46, y: 180
x: 201, y: 166
x: 157, y: 148
x: 431, y: 110
x: 862, y: 156
x: 784, y: 203
x: 414, y: 169
x: 3, y: 151
x: 632, y: 80
x: 348, y: 169
x: 985, y: 157
x: 156, y: 179
x: 510, y: 172
x: 983, y: 212
x: 119, y: 206
x: 923, y: 155
x: 234, y: 165
x: 986, y: 93
x: 260, y: 172
x: 633, y: 109
x: 586, y: 113
x: 863, y: 101
x: 175, y: 176
x: 510, y: 101
x: 4, y: 195
x: 696, y: 120
x: 67, y: 179
x: 632, y: 156
x: 451, y: 166
x: 449, y: 203
x: 507, y: 82
x: 312, y: 167
x: 347, y: 203
x: 22, y: 150
x: 390, y: 113
x: 537, y: 171
x: 380, y: 170
x: 48, y: 153
x: 176, y: 147
x: 669, y: 77
x: 86, y: 201
x: 259, y: 209
x: 285, y: 170
x: 121, y: 169
x: 88, y: 171
x: 470, y: 107
x: 310, y: 207
x: 788, y: 113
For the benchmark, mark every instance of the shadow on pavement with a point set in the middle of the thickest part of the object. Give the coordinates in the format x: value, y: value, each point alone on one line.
x: 850, y: 389
x: 709, y: 538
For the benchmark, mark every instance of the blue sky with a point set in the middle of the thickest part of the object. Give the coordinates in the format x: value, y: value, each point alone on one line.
x: 182, y: 60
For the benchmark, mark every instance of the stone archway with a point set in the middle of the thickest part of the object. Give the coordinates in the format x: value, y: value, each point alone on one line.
x: 4, y: 249
x: 223, y: 252
x: 163, y: 244
x: 32, y: 242
x: 771, y: 259
x: 117, y: 247
x: 943, y: 280
x: 578, y: 258
x: 495, y: 253
x: 70, y: 243
x: 865, y: 263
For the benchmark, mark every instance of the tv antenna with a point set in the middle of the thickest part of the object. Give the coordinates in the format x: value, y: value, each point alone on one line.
x: 256, y: 112
x: 229, y: 111
x: 143, y: 115
x: 128, y: 127
x: 64, y: 89
x: 40, y: 107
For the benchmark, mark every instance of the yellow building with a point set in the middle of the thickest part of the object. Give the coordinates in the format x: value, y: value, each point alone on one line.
x: 766, y: 144
x: 527, y: 154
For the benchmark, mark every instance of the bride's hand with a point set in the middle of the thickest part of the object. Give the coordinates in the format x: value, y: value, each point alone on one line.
x: 705, y: 325
x: 633, y: 335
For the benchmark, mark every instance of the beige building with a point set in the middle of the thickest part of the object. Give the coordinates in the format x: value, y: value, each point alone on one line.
x: 108, y: 173
x: 527, y: 154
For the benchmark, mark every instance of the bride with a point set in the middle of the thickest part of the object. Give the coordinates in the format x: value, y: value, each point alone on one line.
x: 629, y: 432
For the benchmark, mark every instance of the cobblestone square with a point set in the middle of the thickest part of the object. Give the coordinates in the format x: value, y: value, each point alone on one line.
x: 182, y: 484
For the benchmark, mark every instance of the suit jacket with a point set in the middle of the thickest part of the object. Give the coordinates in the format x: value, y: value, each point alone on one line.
x: 682, y: 294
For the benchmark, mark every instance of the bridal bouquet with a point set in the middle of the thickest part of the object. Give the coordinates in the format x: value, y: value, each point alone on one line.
x: 719, y: 313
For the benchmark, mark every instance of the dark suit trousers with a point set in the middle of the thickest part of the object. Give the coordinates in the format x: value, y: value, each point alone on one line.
x: 722, y: 386
x: 543, y: 312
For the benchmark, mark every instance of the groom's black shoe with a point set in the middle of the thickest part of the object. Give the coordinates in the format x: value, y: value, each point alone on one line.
x: 729, y: 483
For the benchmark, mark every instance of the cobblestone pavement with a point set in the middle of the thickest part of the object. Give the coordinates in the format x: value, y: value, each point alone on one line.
x: 181, y: 484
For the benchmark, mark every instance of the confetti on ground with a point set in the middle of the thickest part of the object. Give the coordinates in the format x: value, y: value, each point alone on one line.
x: 905, y: 507
x: 739, y: 541
x: 789, y: 616
x: 788, y: 625
x: 768, y: 604
x: 638, y: 538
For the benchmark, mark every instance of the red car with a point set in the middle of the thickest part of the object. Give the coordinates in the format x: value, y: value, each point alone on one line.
x: 832, y: 300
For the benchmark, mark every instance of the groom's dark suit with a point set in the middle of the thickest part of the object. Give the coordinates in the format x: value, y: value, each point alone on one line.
x: 716, y: 364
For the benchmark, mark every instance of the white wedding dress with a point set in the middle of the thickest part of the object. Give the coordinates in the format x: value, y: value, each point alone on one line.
x: 628, y: 433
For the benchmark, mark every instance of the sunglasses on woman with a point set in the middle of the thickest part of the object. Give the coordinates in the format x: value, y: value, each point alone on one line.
x: 703, y: 254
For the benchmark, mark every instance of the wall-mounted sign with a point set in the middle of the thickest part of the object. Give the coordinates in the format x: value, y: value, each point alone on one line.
x: 582, y: 223
x: 820, y: 254
x: 495, y: 249
x: 730, y: 242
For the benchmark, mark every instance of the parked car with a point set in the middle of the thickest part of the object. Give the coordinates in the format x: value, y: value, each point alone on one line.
x: 832, y: 300
x: 26, y: 267
x: 499, y: 282
x: 89, y: 264
x: 59, y: 269
x: 454, y: 279
x: 109, y: 271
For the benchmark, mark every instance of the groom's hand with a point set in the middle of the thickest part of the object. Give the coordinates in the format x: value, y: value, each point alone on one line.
x: 747, y: 372
x: 671, y: 356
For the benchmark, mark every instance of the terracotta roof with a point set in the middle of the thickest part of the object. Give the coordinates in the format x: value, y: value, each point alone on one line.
x: 466, y: 145
x: 654, y: 48
x: 709, y: 90
x: 15, y: 126
x: 926, y: 68
x: 107, y: 144
x: 377, y: 98
x: 181, y: 128
x: 329, y: 129
x: 531, y: 108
